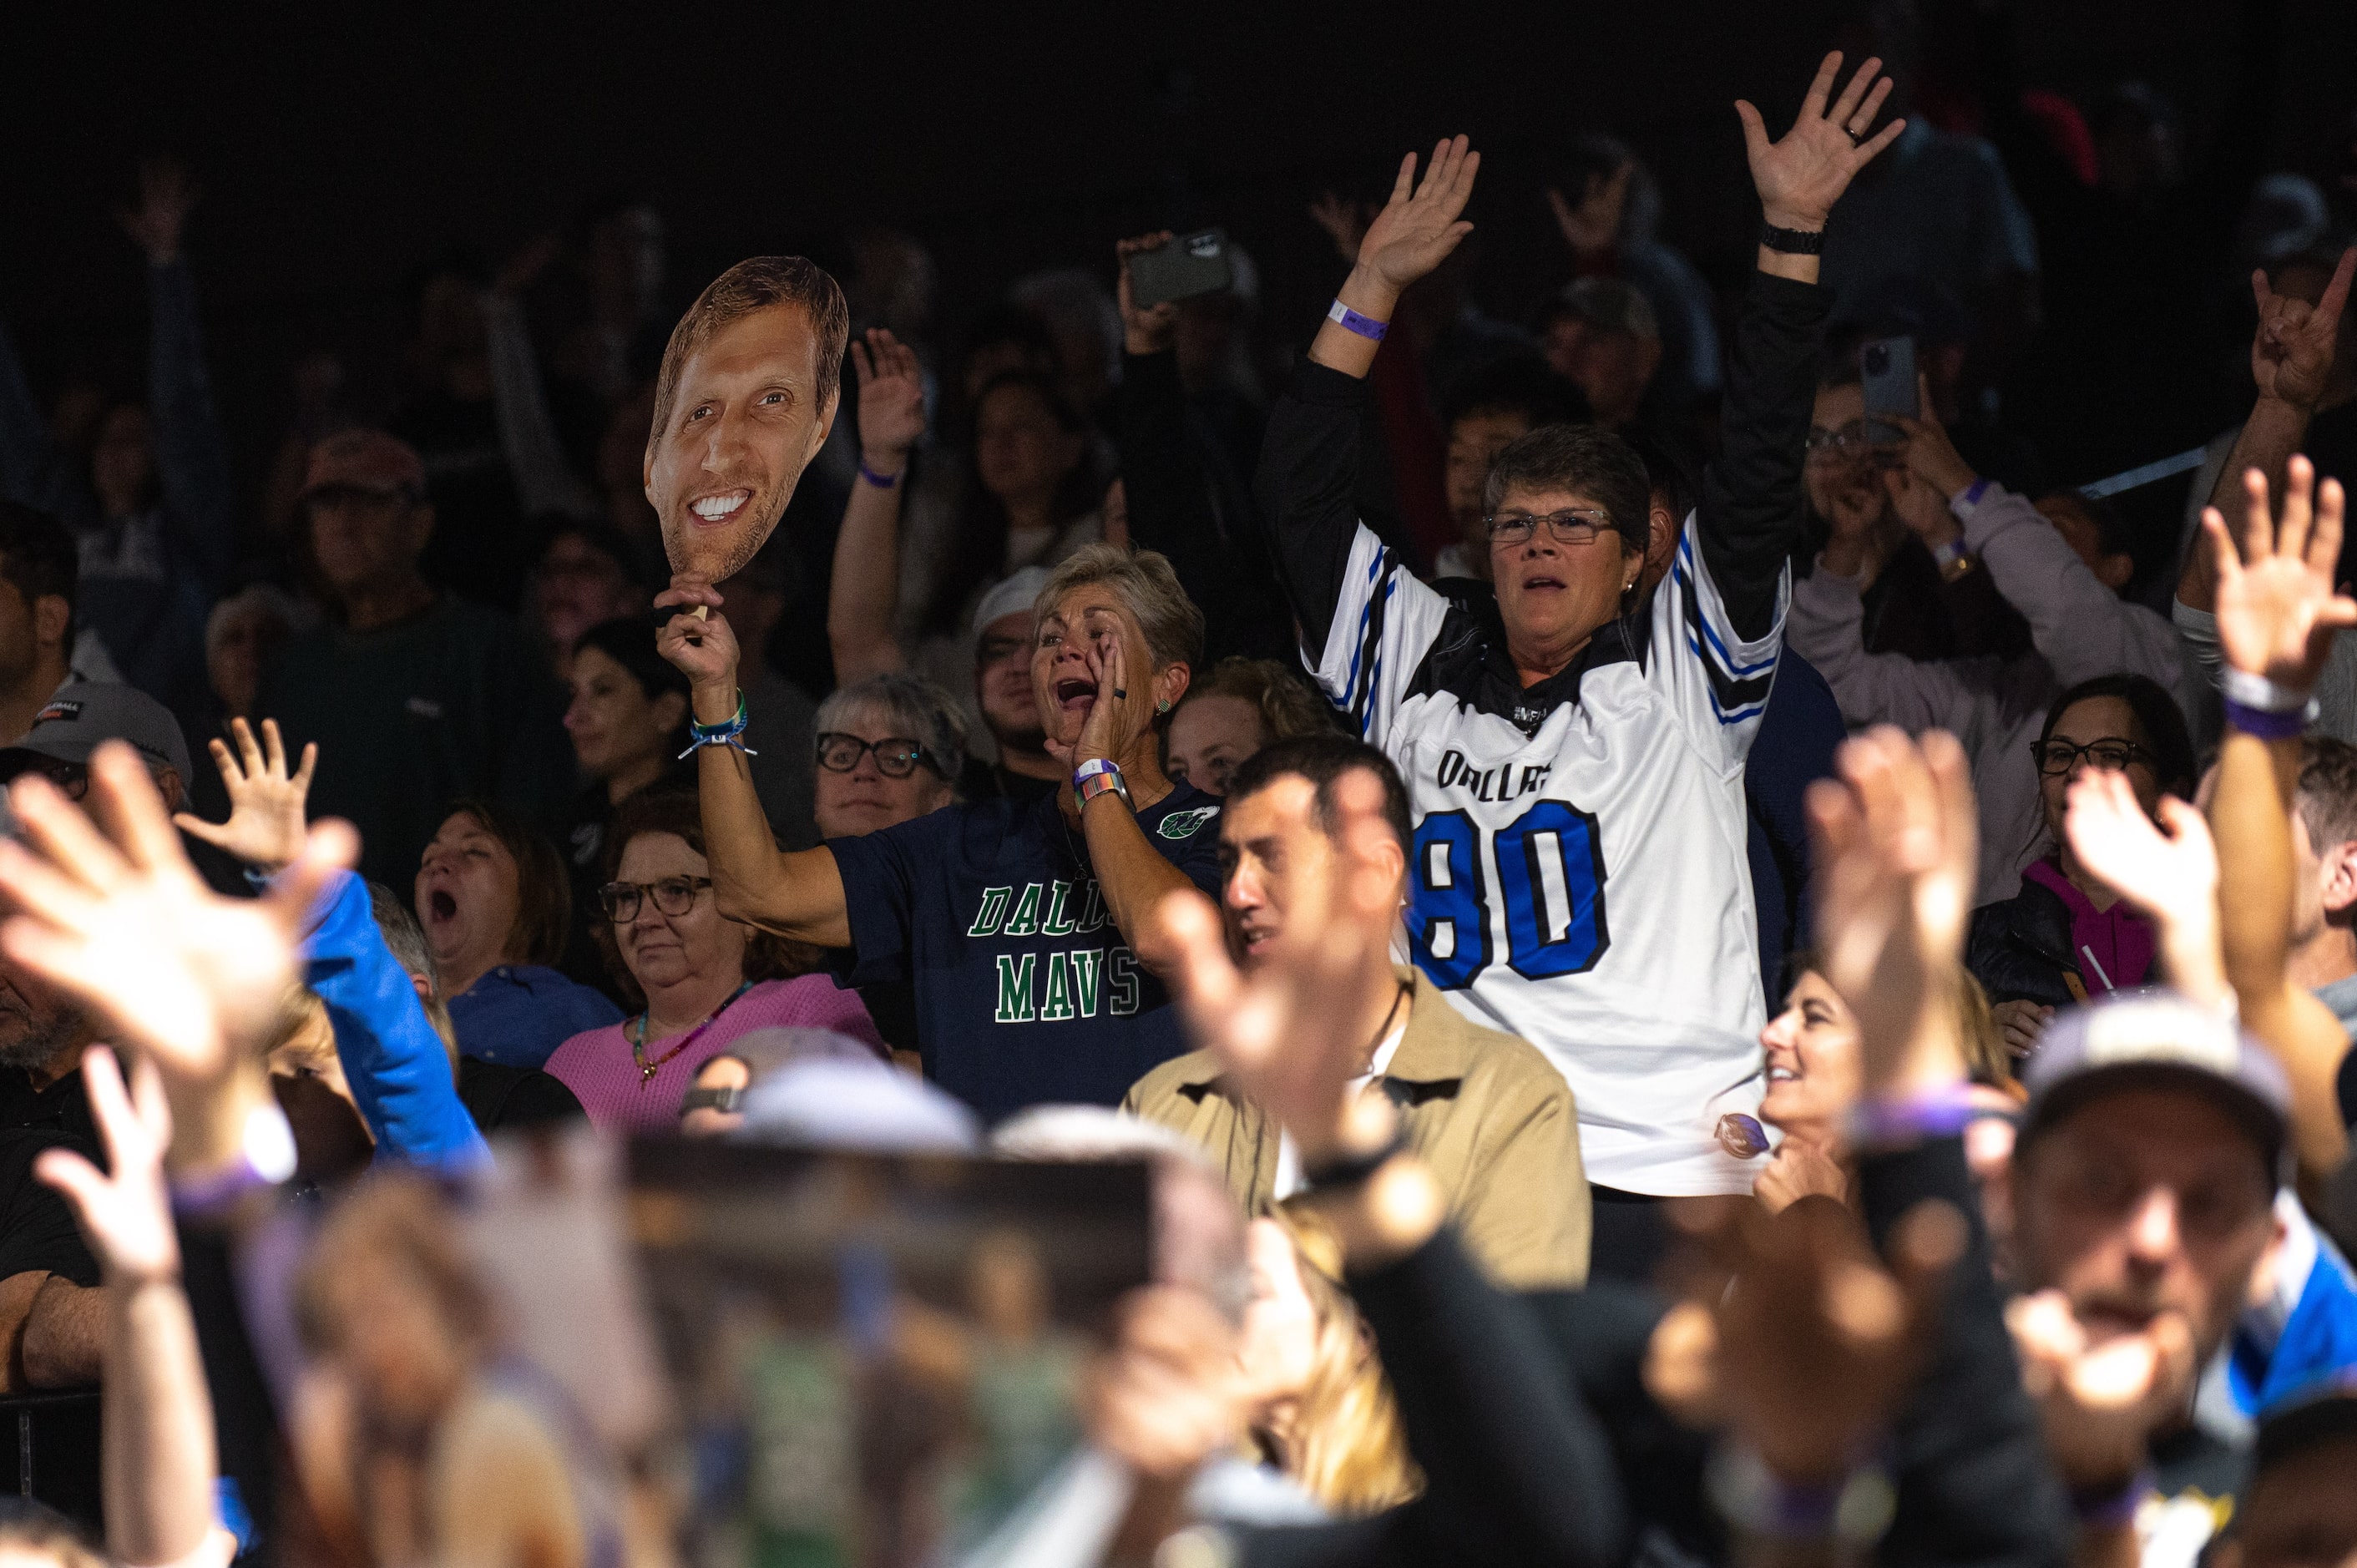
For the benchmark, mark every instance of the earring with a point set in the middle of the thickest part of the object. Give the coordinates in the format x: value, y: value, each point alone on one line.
x: 1161, y: 707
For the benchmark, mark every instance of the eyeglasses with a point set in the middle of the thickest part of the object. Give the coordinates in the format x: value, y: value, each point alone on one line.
x: 897, y: 756
x: 1858, y: 439
x: 2057, y: 757
x: 672, y: 896
x: 1580, y: 527
x: 71, y: 779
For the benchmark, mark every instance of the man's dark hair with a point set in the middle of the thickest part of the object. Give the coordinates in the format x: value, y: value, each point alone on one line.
x: 2327, y: 791
x: 1587, y: 458
x: 1673, y: 472
x: 752, y: 286
x: 1321, y: 759
x: 38, y: 556
x: 2157, y: 713
x: 2113, y: 534
x: 543, y: 890
x: 1520, y: 384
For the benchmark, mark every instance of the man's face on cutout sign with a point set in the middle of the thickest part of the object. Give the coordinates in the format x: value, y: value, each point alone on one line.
x: 744, y: 421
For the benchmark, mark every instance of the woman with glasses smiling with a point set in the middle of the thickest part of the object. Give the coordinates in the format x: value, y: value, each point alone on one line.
x: 697, y: 980
x: 2066, y: 937
x: 889, y: 750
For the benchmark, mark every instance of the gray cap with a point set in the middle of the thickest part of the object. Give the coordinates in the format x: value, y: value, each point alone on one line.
x: 81, y: 714
x: 847, y: 1102
x: 1015, y: 594
x: 2158, y: 1038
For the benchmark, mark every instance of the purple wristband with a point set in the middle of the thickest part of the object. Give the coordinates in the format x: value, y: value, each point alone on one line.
x: 2112, y: 1508
x: 2264, y: 725
x: 1349, y: 320
x: 1972, y: 493
x: 1888, y: 1124
x: 881, y: 481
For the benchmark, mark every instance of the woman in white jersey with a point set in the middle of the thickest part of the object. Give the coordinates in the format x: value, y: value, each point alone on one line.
x: 1573, y: 748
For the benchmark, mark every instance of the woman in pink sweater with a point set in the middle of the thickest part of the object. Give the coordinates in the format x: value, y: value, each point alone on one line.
x: 705, y: 980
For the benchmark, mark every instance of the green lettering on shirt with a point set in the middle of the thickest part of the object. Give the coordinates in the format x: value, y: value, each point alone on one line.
x: 1059, y: 922
x: 1087, y: 979
x: 1058, y: 1007
x: 1015, y: 987
x: 1125, y: 981
x: 992, y: 910
x: 1025, y: 921
x: 1093, y: 910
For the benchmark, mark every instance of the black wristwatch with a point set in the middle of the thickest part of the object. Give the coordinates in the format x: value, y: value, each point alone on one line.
x: 1352, y: 1170
x: 1793, y: 241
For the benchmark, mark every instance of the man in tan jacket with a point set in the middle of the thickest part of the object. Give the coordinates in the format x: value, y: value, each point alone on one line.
x: 1489, y: 1115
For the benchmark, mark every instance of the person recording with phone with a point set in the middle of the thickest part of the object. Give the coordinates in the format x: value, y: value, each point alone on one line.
x: 2062, y: 562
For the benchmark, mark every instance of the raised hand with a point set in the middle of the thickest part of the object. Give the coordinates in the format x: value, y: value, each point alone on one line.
x: 1152, y: 328
x: 1929, y: 455
x: 1420, y: 225
x: 1896, y: 838
x: 1345, y: 222
x: 1919, y: 507
x: 1801, y: 1167
x: 1800, y: 177
x: 891, y: 399
x: 265, y: 827
x: 2276, y: 609
x: 2099, y: 1404
x: 1595, y: 223
x: 704, y: 647
x: 2291, y: 352
x: 166, y: 196
x: 1277, y: 1031
x: 120, y: 919
x: 2165, y: 872
x: 1813, y: 1342
x: 125, y: 1211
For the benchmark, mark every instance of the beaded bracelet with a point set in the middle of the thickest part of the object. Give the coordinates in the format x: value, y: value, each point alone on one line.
x: 700, y: 736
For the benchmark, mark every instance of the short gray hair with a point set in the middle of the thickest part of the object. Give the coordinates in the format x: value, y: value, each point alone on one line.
x: 1147, y: 585
x: 911, y: 704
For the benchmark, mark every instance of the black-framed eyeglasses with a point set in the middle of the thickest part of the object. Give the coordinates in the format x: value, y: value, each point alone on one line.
x: 1577, y: 526
x: 71, y: 779
x: 897, y: 756
x: 2057, y: 757
x: 672, y: 896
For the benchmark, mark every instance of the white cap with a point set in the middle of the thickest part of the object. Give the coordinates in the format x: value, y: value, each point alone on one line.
x: 1018, y: 593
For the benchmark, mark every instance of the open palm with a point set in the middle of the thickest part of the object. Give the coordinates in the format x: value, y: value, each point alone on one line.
x: 2171, y: 875
x: 1801, y: 177
x: 1419, y: 226
x: 891, y: 392
x: 2276, y: 609
x: 265, y: 826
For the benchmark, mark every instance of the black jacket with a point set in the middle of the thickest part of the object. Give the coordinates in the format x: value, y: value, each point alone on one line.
x: 2020, y: 950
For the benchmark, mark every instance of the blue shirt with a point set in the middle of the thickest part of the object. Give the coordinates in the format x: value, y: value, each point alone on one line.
x: 1026, y: 993
x: 2307, y: 1332
x: 517, y: 1014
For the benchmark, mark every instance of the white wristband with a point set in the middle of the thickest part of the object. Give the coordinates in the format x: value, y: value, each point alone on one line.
x: 2258, y: 692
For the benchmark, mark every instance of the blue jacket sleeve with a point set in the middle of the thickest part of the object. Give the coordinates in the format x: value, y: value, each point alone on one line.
x: 397, y: 1068
x: 191, y: 456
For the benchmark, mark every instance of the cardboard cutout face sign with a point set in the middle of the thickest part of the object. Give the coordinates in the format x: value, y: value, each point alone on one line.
x: 745, y: 419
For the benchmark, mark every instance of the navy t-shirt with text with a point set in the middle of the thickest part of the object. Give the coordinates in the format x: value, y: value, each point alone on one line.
x: 1026, y: 995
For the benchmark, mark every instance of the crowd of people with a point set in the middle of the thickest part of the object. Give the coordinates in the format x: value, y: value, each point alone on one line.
x: 1705, y: 964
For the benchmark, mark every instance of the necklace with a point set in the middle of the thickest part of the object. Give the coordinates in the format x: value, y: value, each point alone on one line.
x: 647, y: 1069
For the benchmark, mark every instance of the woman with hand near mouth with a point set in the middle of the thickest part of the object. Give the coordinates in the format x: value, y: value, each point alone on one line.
x: 1028, y: 929
x: 704, y: 979
x: 495, y: 902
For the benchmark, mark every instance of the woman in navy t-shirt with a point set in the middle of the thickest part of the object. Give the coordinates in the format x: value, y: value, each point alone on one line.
x: 1030, y: 932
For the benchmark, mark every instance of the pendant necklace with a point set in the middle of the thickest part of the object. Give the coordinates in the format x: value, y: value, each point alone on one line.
x: 647, y: 1069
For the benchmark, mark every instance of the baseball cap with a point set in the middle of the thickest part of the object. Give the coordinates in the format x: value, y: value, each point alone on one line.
x: 364, y: 460
x: 2320, y: 1413
x: 1015, y: 594
x: 2157, y: 1039
x: 815, y: 1087
x: 83, y: 712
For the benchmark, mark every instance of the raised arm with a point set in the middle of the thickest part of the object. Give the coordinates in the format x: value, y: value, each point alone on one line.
x: 797, y: 895
x: 156, y: 1457
x: 2277, y: 615
x: 191, y: 453
x: 864, y: 591
x: 2167, y: 872
x: 2291, y: 361
x: 543, y: 475
x: 1309, y: 460
x: 1753, y: 505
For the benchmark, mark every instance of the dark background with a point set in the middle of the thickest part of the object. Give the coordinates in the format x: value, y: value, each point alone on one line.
x: 341, y: 147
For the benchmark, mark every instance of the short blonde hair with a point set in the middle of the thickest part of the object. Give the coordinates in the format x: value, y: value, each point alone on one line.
x: 1147, y: 585
x: 1347, y: 1446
